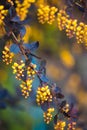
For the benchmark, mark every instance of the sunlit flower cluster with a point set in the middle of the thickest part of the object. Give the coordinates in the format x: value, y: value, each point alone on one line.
x: 26, y: 75
x: 3, y: 13
x: 62, y: 19
x: 64, y: 22
x: 48, y: 94
x: 46, y: 14
x: 85, y: 35
x: 48, y: 115
x: 80, y: 33
x: 26, y: 87
x: 22, y: 8
x: 43, y: 95
x: 18, y: 69
x: 66, y: 108
x: 71, y: 26
x: 7, y: 55
x: 60, y: 125
x: 30, y: 71
x: 72, y: 126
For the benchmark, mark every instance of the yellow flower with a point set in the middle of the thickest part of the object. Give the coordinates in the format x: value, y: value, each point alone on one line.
x: 22, y: 8
x: 71, y: 126
x: 80, y: 33
x: 43, y: 94
x: 46, y: 14
x: 60, y: 125
x: 3, y: 13
x: 48, y: 115
x: 71, y: 26
x: 26, y: 87
x: 85, y: 35
x: 7, y: 55
x: 18, y: 69
x: 30, y: 71
x: 62, y: 19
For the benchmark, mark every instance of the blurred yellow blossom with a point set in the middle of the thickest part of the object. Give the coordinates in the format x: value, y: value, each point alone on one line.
x: 27, y: 34
x: 67, y: 58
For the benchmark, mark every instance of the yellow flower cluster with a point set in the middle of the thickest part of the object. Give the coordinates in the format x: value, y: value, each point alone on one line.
x: 71, y: 26
x: 85, y: 35
x: 71, y: 126
x: 22, y: 8
x: 7, y: 55
x: 60, y: 125
x: 48, y: 115
x: 26, y: 87
x: 46, y: 14
x: 66, y: 108
x: 43, y: 94
x: 3, y: 13
x: 80, y: 33
x: 18, y: 69
x: 30, y: 71
x: 61, y: 19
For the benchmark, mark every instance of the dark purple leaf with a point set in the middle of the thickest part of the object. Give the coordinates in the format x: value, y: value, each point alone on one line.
x: 66, y: 114
x: 43, y: 63
x: 44, y: 78
x: 15, y: 19
x: 81, y: 9
x: 18, y: 92
x: 59, y: 95
x: 63, y: 103
x: 73, y: 112
x: 55, y: 119
x: 45, y: 106
x: 56, y: 89
x: 69, y: 2
x: 32, y: 46
x: 42, y: 67
x: 14, y: 48
x: 22, y: 31
x: 11, y: 11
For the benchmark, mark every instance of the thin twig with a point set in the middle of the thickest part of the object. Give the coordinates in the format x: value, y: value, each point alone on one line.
x: 20, y: 46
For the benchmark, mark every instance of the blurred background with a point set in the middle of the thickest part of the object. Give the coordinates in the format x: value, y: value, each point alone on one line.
x: 66, y: 65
